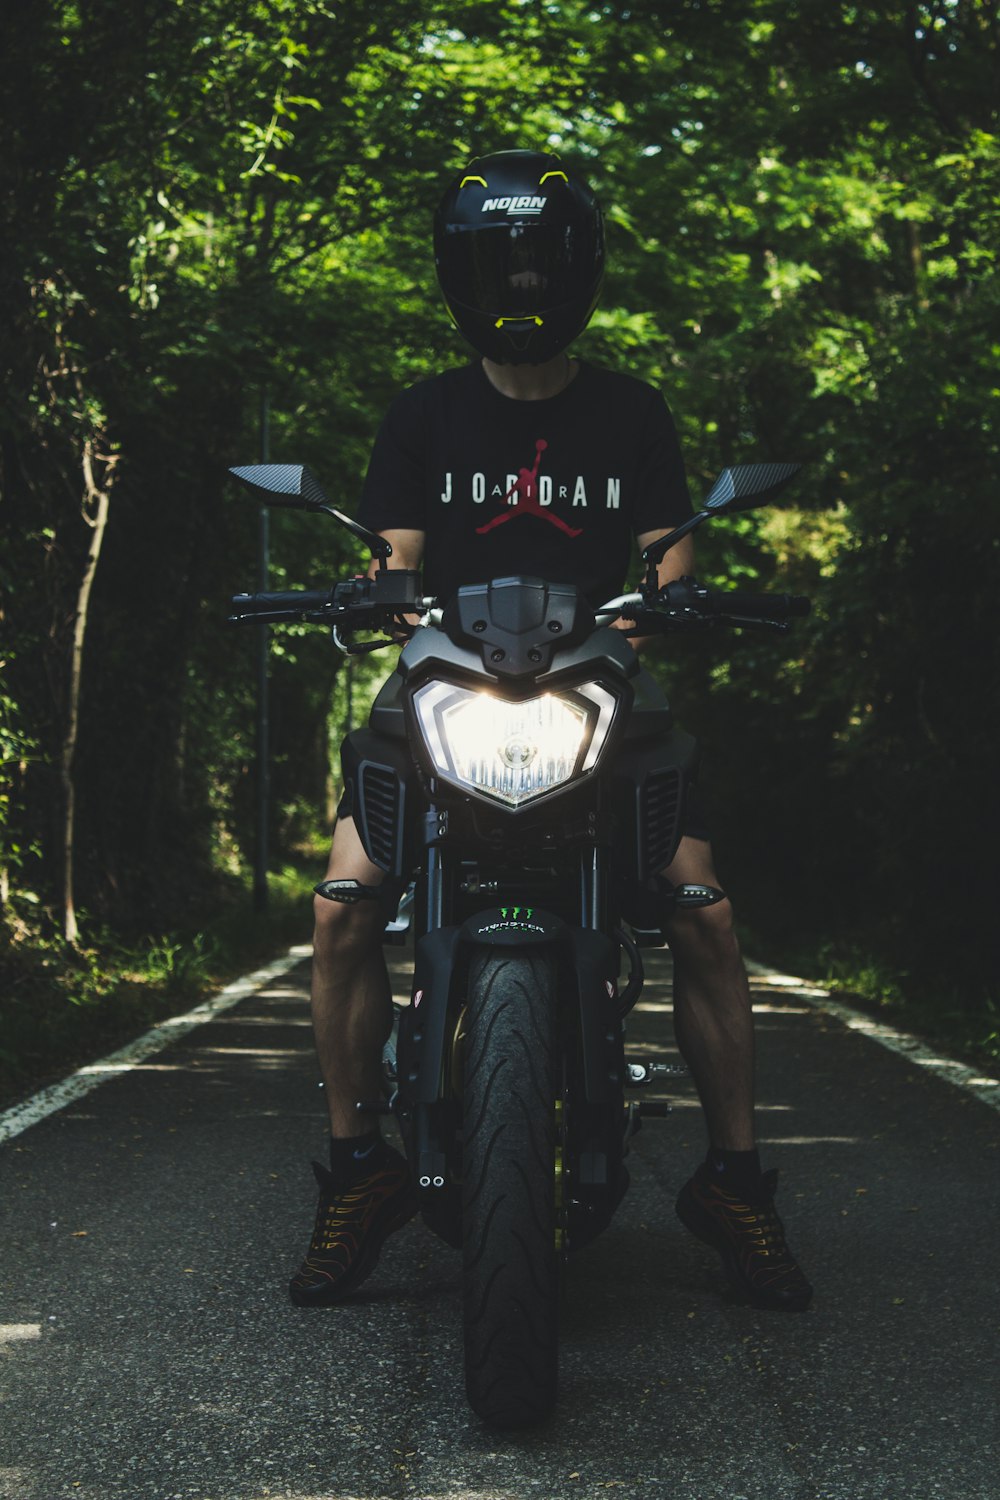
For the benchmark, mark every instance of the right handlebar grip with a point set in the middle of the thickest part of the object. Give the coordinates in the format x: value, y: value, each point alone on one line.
x: 766, y: 606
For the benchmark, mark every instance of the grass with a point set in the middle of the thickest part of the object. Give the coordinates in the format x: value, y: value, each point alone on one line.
x: 62, y: 1006
x: 958, y: 1020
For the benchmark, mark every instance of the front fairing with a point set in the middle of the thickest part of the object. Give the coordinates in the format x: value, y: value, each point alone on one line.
x: 620, y: 798
x: 431, y: 652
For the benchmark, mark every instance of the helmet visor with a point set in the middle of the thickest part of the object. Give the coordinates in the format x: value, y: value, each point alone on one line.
x: 518, y: 270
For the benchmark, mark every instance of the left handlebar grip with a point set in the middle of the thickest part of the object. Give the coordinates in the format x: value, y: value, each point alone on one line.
x: 293, y: 599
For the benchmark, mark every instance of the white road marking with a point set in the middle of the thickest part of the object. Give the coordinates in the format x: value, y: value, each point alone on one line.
x: 986, y: 1089
x: 22, y: 1116
x: 30, y: 1111
x: 13, y: 1333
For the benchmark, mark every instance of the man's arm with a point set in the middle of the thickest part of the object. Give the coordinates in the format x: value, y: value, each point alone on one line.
x: 676, y: 563
x: 407, y: 550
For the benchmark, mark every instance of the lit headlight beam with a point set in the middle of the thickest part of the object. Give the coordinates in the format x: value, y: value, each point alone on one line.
x: 513, y: 751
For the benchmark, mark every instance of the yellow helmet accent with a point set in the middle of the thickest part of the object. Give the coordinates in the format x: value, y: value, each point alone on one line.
x: 538, y: 322
x: 553, y: 174
x: 472, y: 179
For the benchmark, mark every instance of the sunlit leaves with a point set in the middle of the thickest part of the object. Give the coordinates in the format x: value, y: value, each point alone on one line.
x: 803, y: 231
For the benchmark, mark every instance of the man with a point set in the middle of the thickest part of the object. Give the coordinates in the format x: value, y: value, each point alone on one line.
x: 530, y: 461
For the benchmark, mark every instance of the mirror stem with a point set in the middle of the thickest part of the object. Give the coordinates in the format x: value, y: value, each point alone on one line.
x: 377, y: 545
x: 657, y: 550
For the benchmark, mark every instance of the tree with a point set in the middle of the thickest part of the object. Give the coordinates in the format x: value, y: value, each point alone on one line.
x: 199, y: 199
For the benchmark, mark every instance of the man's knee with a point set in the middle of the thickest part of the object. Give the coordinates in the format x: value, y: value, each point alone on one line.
x: 706, y: 932
x: 344, y: 932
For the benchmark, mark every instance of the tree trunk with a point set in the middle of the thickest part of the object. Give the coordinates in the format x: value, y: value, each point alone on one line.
x: 95, y: 513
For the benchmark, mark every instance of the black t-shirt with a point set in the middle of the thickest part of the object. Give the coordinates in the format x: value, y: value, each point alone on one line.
x: 554, y: 489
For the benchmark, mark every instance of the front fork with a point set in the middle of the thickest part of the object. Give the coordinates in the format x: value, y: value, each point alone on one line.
x: 593, y: 889
x: 588, y: 1105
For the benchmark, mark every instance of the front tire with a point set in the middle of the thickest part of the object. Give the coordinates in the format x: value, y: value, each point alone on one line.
x: 508, y: 1192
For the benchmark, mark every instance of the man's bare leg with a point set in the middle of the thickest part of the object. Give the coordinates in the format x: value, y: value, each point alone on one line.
x: 351, y: 995
x: 713, y: 1019
x: 730, y: 1207
x: 366, y: 1194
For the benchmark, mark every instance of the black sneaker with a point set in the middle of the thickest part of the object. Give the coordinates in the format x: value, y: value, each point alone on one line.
x: 352, y: 1225
x: 750, y: 1237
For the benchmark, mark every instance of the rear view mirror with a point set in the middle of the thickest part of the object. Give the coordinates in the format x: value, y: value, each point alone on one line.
x: 739, y: 488
x: 295, y: 486
x: 747, y: 485
x: 283, y: 484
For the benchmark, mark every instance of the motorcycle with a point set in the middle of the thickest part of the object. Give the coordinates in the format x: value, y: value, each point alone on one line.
x: 522, y: 775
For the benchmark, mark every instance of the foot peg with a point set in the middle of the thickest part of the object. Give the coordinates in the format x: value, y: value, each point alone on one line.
x: 636, y: 1112
x: 639, y: 1075
x: 382, y: 1107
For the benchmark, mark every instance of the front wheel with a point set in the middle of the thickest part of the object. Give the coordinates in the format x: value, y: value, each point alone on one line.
x: 508, y: 1190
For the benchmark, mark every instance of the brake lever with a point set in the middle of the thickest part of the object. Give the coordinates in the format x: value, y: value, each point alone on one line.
x: 649, y: 621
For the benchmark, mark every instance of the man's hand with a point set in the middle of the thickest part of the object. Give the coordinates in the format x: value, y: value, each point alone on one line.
x: 676, y: 563
x: 407, y: 552
x: 623, y: 624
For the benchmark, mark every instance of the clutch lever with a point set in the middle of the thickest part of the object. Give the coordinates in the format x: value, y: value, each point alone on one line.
x: 358, y: 648
x: 748, y: 622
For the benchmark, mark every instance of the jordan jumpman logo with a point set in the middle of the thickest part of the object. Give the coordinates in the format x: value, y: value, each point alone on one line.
x: 526, y: 488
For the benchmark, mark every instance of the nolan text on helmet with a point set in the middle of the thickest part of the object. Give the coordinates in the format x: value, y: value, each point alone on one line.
x: 523, y: 205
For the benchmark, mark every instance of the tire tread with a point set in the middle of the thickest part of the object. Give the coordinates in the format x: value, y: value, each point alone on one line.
x: 510, y: 1285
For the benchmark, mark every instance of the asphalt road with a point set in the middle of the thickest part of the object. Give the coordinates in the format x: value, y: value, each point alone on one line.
x: 148, y: 1348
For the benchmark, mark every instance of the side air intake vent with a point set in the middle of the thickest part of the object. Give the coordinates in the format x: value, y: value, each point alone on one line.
x: 659, y: 807
x: 380, y: 800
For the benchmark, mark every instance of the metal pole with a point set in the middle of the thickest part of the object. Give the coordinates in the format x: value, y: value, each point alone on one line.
x: 263, y: 767
x: 349, y: 715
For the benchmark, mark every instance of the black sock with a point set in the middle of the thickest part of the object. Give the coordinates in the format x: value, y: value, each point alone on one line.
x: 734, y: 1169
x: 353, y: 1157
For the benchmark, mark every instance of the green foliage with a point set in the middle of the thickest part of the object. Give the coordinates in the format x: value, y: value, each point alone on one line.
x: 200, y: 200
x: 62, y: 1005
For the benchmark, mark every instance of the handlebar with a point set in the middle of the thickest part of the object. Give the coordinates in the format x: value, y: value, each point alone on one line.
x: 385, y: 602
x: 761, y: 606
x: 685, y: 603
x: 301, y: 600
x: 284, y: 606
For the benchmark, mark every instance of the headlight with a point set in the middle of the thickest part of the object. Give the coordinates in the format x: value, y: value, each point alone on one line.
x: 513, y: 751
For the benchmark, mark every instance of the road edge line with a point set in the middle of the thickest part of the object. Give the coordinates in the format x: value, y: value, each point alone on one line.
x: 48, y: 1101
x: 983, y: 1088
x: 20, y: 1117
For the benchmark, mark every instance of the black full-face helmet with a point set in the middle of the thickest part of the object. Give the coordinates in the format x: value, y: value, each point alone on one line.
x: 519, y: 250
